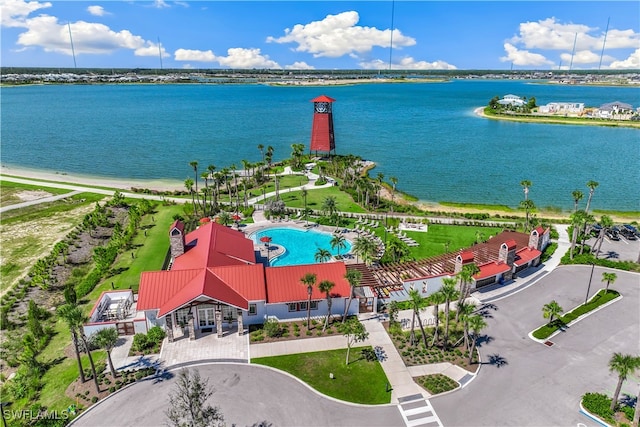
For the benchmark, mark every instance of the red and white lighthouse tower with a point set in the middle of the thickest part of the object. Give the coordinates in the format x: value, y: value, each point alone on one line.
x: 322, y: 138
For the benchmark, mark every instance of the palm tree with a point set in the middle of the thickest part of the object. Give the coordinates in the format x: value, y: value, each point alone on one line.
x: 551, y: 309
x: 224, y: 218
x: 309, y: 280
x: 261, y: 148
x: 466, y: 278
x: 353, y: 277
x: 326, y: 286
x: 436, y: 299
x: 577, y: 196
x: 417, y: 304
x: 322, y: 255
x: 525, y: 183
x: 606, y: 223
x: 528, y: 206
x: 592, y: 188
x: 107, y: 339
x: 194, y: 165
x: 476, y: 324
x: 329, y: 205
x: 188, y: 183
x: 64, y: 312
x: 578, y: 218
x: 466, y: 310
x: 397, y: 249
x: 394, y: 182
x: 450, y: 293
x: 609, y: 278
x: 75, y: 319
x: 235, y: 186
x: 304, y: 196
x: 205, y: 191
x: 365, y: 247
x: 623, y: 365
x: 338, y: 241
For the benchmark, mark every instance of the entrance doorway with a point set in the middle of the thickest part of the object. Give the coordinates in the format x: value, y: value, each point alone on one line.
x: 206, y: 317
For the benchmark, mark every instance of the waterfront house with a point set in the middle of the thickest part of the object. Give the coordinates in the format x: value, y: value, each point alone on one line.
x: 615, y: 110
x: 565, y: 108
x: 512, y: 100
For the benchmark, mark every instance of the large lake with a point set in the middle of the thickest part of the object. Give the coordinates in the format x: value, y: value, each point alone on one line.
x: 426, y: 135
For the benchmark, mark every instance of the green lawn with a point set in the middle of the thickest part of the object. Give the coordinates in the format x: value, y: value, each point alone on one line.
x: 46, y: 210
x: 434, y: 241
x: 359, y: 382
x: 596, y: 301
x: 9, y: 191
x: 284, y: 182
x: 316, y: 197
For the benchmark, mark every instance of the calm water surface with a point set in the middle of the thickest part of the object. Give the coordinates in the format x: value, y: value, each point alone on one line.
x: 426, y: 135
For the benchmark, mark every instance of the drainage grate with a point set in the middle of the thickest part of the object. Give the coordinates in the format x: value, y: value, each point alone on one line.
x: 548, y: 343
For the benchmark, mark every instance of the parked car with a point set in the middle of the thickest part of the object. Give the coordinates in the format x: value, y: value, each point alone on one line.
x: 613, y: 233
x: 596, y: 229
x: 629, y: 232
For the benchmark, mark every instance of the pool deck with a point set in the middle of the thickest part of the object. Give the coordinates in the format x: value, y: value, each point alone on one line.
x: 260, y: 222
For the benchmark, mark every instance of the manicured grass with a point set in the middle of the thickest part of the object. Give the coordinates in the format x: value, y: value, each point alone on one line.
x: 316, y: 197
x: 9, y: 190
x: 359, y: 382
x: 434, y: 241
x: 284, y: 183
x: 148, y: 251
x: 596, y: 301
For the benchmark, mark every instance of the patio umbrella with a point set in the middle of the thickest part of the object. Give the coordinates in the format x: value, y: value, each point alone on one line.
x: 205, y: 220
x: 265, y: 239
x: 236, y: 217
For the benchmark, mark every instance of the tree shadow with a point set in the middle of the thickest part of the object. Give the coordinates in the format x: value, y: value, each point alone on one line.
x: 264, y: 423
x: 116, y: 271
x: 612, y: 254
x: 628, y: 400
x: 483, y: 339
x: 496, y: 360
x: 485, y: 310
x: 380, y: 353
x: 148, y: 226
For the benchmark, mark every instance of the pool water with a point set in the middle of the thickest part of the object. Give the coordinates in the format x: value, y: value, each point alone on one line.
x: 300, y: 245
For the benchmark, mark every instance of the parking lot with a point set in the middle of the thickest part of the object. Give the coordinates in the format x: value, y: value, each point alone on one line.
x: 623, y: 249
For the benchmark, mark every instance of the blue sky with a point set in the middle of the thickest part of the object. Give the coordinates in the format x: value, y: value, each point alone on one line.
x: 321, y: 34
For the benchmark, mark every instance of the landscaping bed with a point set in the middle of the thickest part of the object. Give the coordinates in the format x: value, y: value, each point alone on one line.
x: 599, y: 405
x: 437, y: 383
x: 599, y: 299
x: 283, y: 331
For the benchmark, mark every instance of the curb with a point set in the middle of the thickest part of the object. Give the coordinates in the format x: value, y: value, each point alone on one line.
x: 588, y: 414
x: 573, y: 322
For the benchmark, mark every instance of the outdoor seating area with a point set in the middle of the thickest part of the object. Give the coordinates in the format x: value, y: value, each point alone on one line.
x: 112, y: 306
x: 403, y: 236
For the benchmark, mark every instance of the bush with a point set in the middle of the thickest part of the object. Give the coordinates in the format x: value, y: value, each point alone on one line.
x: 140, y: 342
x: 598, y: 404
x: 94, y: 399
x: 156, y: 335
x: 272, y: 328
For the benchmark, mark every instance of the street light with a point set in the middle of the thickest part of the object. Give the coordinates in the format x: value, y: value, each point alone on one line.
x: 589, y: 287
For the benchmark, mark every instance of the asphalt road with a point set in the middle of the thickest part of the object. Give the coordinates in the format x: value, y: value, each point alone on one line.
x: 525, y: 383
x: 246, y: 395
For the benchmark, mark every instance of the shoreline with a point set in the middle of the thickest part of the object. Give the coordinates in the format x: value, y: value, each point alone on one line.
x: 172, y: 185
x: 479, y: 111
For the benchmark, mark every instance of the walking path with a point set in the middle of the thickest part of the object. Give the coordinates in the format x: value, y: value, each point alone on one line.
x: 40, y: 200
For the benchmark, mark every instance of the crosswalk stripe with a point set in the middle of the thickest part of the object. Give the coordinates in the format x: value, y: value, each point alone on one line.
x: 417, y: 415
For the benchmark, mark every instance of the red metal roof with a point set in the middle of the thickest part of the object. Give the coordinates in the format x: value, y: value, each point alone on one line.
x: 323, y: 98
x: 246, y: 280
x: 177, y: 224
x: 214, y: 245
x: 467, y: 256
x: 511, y: 244
x: 284, y: 285
x: 491, y: 269
x: 525, y: 255
x: 158, y: 287
x: 540, y: 230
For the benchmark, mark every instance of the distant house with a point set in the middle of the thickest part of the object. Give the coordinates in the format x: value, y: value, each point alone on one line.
x: 513, y: 100
x: 614, y: 110
x: 562, y: 108
x: 215, y: 283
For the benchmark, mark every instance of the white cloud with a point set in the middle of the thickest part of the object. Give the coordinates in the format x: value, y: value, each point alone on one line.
x: 238, y: 57
x: 97, y: 11
x: 188, y: 67
x: 299, y: 65
x: 632, y: 62
x: 194, y: 55
x: 338, y: 35
x: 151, y: 49
x: 523, y: 57
x: 160, y: 4
x: 15, y: 12
x: 407, y: 63
x: 585, y: 57
x: 182, y: 3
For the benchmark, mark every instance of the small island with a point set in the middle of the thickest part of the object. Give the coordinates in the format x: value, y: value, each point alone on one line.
x: 521, y: 109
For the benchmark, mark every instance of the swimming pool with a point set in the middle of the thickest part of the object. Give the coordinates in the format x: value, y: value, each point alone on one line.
x: 300, y: 245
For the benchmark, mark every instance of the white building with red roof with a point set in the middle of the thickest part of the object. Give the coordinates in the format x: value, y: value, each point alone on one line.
x: 214, y: 282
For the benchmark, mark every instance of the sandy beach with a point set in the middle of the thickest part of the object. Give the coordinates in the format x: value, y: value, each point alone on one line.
x: 110, y: 182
